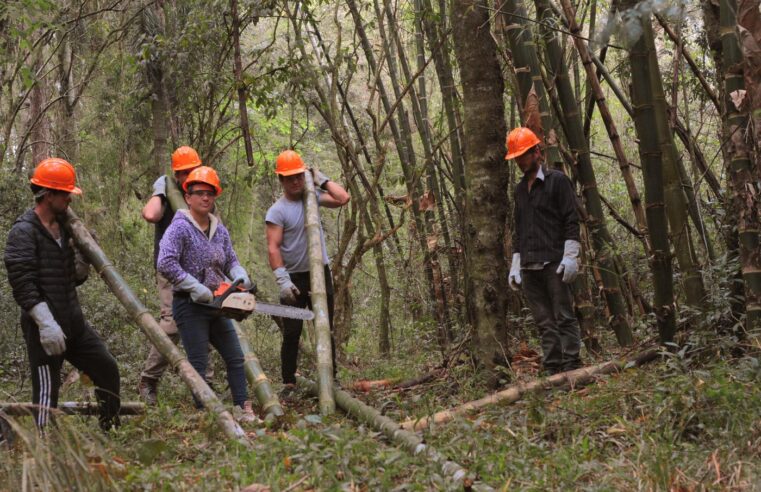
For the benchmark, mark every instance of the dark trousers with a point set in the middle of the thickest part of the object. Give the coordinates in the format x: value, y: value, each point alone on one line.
x: 199, y: 326
x: 551, y: 304
x: 88, y: 353
x: 289, y: 351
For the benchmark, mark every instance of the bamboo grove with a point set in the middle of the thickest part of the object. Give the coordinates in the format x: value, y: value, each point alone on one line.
x: 650, y: 107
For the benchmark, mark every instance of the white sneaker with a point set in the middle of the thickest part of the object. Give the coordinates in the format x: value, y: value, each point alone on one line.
x: 245, y: 414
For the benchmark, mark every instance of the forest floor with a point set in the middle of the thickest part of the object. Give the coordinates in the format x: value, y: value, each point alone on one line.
x: 683, y: 423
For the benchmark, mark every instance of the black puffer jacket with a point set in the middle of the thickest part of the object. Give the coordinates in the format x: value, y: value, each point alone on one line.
x: 39, y: 270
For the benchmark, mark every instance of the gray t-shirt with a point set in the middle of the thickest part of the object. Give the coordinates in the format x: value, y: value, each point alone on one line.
x: 290, y: 216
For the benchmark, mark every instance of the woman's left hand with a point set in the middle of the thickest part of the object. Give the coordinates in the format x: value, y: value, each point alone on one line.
x: 239, y: 273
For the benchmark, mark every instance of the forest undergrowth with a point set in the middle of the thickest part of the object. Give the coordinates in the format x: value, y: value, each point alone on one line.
x: 689, y: 421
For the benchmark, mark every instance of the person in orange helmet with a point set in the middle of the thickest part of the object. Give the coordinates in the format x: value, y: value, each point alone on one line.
x: 158, y: 211
x: 546, y: 250
x: 287, y: 249
x: 44, y: 271
x: 196, y: 256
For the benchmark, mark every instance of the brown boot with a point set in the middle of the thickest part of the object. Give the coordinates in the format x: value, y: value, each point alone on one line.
x: 148, y: 390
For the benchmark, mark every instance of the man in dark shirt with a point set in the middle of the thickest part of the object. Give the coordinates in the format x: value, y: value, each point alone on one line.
x: 44, y: 271
x: 546, y: 250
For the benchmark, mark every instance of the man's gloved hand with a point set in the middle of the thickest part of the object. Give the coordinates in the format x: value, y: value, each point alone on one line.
x: 159, y: 186
x: 319, y: 178
x: 198, y: 292
x: 51, y: 335
x: 239, y: 273
x: 288, y: 291
x: 569, y: 265
x: 514, y: 278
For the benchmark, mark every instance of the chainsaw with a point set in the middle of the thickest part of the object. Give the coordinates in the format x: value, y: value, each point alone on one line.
x: 233, y: 301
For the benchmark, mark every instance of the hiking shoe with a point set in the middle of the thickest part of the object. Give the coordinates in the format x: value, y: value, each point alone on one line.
x: 245, y: 414
x: 288, y: 391
x: 147, y: 388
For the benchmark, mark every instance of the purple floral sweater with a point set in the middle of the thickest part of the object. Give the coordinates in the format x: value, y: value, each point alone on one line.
x: 186, y: 250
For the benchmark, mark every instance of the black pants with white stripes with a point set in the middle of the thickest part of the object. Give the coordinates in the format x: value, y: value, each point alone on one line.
x: 87, y: 352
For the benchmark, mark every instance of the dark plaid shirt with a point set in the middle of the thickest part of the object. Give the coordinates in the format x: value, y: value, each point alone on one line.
x: 545, y: 217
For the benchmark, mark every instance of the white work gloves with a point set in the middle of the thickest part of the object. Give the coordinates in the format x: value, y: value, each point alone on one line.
x: 569, y: 265
x: 52, y: 339
x: 239, y: 273
x: 288, y: 291
x: 198, y: 292
x: 159, y: 186
x: 319, y: 178
x: 514, y: 279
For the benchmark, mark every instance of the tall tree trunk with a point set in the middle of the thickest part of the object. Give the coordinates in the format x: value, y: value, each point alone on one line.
x: 676, y: 200
x: 652, y: 165
x: 402, y: 134
x: 485, y: 179
x: 440, y: 49
x: 514, y: 25
x: 743, y: 175
x: 601, y: 239
x: 240, y: 85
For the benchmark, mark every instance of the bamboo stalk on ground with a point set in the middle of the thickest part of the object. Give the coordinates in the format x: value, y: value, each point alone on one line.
x: 518, y: 391
x: 319, y: 298
x: 394, y: 432
x: 22, y: 409
x: 151, y: 328
x: 255, y: 375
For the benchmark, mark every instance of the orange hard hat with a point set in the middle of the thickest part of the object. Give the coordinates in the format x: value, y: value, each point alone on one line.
x: 203, y: 174
x: 519, y: 141
x: 185, y: 158
x: 289, y: 163
x: 56, y: 174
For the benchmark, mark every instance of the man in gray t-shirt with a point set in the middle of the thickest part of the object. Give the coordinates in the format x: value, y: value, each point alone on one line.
x: 287, y: 249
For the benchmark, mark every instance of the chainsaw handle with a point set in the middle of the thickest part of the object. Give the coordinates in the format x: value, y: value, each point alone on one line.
x: 217, y: 302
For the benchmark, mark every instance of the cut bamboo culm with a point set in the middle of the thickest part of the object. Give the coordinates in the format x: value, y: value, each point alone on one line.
x: 22, y: 409
x: 395, y: 433
x: 319, y: 298
x: 518, y: 391
x: 151, y: 328
x: 255, y: 375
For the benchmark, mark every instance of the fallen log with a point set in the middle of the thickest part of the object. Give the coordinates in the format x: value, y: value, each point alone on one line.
x: 396, y: 383
x: 518, y: 391
x: 255, y: 375
x: 19, y: 409
x: 393, y: 431
x: 98, y: 259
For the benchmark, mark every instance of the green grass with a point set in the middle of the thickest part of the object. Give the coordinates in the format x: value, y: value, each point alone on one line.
x: 679, y: 424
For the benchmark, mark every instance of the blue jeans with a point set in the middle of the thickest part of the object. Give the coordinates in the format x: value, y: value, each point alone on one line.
x: 199, y: 326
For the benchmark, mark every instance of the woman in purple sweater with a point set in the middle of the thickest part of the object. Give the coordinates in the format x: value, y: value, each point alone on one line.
x: 196, y: 256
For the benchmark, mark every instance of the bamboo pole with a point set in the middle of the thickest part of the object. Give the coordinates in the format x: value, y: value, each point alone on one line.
x: 151, y: 328
x: 610, y: 125
x: 395, y: 433
x: 603, y: 244
x: 518, y: 391
x: 255, y: 375
x: 319, y: 298
x: 22, y: 409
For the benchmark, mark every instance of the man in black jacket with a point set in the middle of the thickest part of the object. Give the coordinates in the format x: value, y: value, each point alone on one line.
x: 546, y: 250
x: 44, y: 273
